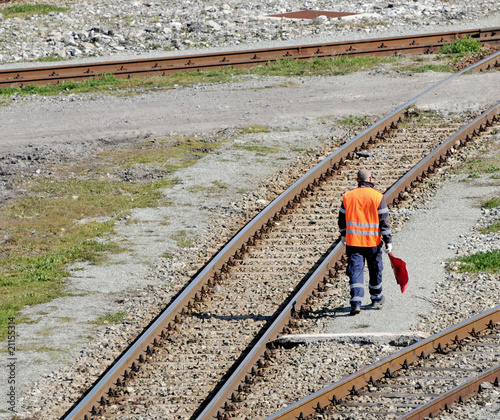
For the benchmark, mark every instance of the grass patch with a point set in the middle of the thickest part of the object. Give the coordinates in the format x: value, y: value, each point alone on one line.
x: 320, y: 66
x: 69, y: 215
x: 167, y: 155
x: 215, y: 188
x: 257, y: 148
x: 256, y: 129
x: 24, y: 10
x: 418, y: 116
x: 66, y: 319
x: 108, y: 83
x: 110, y: 318
x: 50, y: 58
x: 492, y: 203
x: 438, y: 68
x: 493, y: 228
x: 477, y: 167
x: 480, y: 262
x: 489, y: 161
x: 461, y: 47
x: 354, y: 121
x: 486, y: 162
x: 184, y: 239
x: 39, y: 348
x: 46, y: 331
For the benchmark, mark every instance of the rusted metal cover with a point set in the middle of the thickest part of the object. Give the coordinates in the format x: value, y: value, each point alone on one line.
x: 312, y: 14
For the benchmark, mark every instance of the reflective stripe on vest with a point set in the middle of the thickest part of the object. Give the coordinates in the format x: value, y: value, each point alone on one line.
x: 361, y: 215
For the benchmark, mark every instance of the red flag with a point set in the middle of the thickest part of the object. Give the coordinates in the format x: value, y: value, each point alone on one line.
x: 399, y: 268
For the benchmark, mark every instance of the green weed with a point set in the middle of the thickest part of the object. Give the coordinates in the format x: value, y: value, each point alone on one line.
x: 438, y: 68
x: 493, y: 228
x: 332, y: 66
x: 216, y: 187
x: 259, y: 149
x: 354, y: 121
x: 461, y: 47
x: 66, y: 319
x: 256, y: 129
x: 115, y: 318
x: 50, y: 58
x: 23, y: 10
x: 104, y: 83
x: 480, y: 262
x: 184, y: 239
x: 492, y: 203
x: 477, y: 167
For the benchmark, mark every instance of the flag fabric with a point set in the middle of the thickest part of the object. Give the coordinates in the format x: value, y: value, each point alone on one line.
x: 400, y: 272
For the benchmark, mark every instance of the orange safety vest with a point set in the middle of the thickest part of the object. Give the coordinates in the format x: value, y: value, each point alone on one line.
x: 361, y: 216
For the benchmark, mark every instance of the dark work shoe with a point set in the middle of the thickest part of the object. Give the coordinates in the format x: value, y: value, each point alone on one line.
x: 355, y: 310
x: 378, y: 304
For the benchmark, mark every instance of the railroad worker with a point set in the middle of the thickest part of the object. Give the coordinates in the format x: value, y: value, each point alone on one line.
x: 363, y: 223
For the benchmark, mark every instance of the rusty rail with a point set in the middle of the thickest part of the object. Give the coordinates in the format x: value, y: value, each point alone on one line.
x: 393, y: 363
x: 413, y: 44
x: 462, y: 392
x: 145, y: 342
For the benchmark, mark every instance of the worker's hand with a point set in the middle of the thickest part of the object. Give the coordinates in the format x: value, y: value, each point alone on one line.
x: 342, y: 239
x: 388, y: 248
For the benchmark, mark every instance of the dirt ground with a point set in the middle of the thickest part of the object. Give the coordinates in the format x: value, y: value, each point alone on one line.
x: 267, y: 101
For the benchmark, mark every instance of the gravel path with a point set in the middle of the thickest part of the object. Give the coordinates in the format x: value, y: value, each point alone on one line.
x: 61, y: 338
x: 433, y: 234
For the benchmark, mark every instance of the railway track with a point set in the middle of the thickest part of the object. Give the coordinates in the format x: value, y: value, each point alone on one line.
x: 199, y: 354
x: 414, y: 44
x: 325, y: 277
x: 416, y: 382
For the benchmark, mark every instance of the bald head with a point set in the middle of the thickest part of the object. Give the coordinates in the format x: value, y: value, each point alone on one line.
x: 364, y: 175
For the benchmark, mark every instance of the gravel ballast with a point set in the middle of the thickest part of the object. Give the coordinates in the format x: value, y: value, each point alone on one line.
x: 61, y: 348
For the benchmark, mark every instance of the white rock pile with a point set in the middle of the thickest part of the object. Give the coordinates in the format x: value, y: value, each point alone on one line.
x: 101, y: 28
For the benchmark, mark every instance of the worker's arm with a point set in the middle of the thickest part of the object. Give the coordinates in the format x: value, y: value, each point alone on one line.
x: 341, y: 220
x: 385, y: 227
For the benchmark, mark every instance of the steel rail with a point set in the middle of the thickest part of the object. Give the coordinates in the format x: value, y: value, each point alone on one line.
x: 463, y: 392
x: 390, y: 364
x: 167, y: 319
x: 412, y: 44
x: 331, y: 263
